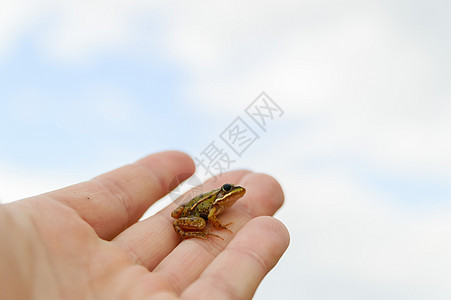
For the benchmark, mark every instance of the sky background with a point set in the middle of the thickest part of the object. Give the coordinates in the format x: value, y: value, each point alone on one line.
x: 362, y: 149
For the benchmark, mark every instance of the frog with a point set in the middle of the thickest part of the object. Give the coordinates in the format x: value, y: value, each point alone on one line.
x: 191, y: 217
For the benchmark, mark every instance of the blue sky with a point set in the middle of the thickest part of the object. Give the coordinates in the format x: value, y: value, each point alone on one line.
x: 362, y: 149
x: 58, y: 114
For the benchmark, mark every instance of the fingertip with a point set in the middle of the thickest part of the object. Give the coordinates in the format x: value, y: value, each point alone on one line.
x: 184, y: 161
x: 275, y: 227
x: 238, y: 270
x: 182, y: 157
x: 172, y: 156
x: 265, y: 192
x: 272, y: 230
x: 178, y: 165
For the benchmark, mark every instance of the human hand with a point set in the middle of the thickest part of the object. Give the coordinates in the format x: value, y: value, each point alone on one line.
x: 85, y: 242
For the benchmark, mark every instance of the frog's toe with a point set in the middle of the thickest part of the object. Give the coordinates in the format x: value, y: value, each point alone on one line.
x: 193, y: 234
x: 215, y: 235
x: 225, y: 227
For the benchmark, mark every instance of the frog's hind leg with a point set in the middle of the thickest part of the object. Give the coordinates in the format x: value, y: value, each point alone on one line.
x: 195, y: 234
x: 190, y: 223
x: 187, y: 234
x: 192, y: 227
x: 190, y: 234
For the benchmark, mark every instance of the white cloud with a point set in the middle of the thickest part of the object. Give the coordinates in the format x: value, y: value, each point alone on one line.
x: 370, y: 88
x: 97, y: 103
x: 352, y: 243
x: 17, y: 184
x: 110, y: 104
x: 73, y: 31
x: 14, y: 20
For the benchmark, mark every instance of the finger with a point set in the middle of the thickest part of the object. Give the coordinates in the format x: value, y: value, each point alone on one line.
x: 113, y: 201
x: 239, y: 269
x: 188, y: 260
x: 150, y: 240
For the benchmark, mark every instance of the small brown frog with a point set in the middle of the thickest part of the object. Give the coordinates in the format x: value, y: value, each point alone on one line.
x: 192, y: 216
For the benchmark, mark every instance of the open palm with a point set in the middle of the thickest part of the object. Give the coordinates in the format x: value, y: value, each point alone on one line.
x: 85, y: 241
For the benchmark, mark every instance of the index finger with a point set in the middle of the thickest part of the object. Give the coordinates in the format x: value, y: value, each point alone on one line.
x: 115, y: 200
x: 238, y: 270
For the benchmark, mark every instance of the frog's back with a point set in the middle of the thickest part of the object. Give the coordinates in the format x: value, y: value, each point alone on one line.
x: 200, y: 205
x: 184, y: 209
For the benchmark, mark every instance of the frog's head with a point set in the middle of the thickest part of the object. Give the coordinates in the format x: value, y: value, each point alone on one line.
x: 228, y: 194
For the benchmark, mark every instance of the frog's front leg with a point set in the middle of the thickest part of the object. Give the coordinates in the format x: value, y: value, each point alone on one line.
x: 192, y: 227
x: 214, y: 220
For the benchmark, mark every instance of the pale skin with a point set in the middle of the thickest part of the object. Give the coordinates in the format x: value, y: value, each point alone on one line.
x: 85, y: 241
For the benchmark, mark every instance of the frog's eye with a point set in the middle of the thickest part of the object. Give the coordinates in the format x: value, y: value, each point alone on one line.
x: 227, y: 187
